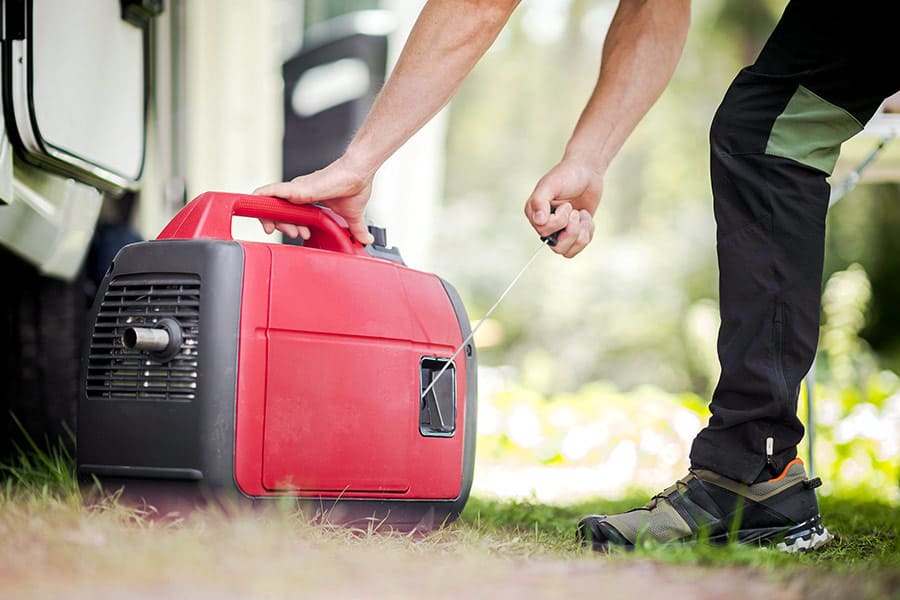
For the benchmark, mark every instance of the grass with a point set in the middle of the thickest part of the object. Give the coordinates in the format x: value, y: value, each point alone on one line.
x: 53, y: 542
x: 867, y: 533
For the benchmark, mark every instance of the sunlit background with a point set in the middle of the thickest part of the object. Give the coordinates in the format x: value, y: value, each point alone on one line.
x: 595, y: 372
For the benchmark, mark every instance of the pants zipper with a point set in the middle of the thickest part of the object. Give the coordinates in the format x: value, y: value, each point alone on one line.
x: 779, y: 372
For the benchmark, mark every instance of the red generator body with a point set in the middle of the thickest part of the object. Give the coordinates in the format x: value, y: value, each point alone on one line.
x: 269, y: 370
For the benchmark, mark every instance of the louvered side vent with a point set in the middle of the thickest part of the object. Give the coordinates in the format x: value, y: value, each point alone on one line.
x: 117, y: 373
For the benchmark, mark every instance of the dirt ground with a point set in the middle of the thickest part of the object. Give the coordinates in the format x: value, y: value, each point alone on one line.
x: 78, y: 556
x: 434, y: 578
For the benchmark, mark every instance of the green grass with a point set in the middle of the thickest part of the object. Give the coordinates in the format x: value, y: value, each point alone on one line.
x: 52, y: 540
x: 867, y: 533
x: 38, y: 472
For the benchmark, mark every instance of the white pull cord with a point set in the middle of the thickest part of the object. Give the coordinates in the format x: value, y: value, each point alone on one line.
x: 485, y: 317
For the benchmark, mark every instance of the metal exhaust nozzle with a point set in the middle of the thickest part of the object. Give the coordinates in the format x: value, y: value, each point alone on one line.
x: 162, y: 342
x: 146, y: 339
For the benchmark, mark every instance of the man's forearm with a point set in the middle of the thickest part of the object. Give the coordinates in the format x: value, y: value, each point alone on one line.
x: 642, y: 48
x: 447, y: 40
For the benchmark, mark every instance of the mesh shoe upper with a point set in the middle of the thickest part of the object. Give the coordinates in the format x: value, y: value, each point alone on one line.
x: 706, y: 502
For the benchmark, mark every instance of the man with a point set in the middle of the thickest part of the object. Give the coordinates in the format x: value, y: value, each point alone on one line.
x: 774, y: 141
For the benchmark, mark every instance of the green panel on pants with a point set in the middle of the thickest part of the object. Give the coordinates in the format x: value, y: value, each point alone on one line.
x: 811, y: 130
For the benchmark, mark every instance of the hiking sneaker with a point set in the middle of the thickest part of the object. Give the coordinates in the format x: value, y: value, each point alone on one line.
x: 782, y: 512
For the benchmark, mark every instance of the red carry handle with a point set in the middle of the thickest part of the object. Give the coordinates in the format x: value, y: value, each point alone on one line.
x: 209, y: 216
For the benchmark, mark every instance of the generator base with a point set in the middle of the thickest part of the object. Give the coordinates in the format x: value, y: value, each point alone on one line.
x: 166, y: 500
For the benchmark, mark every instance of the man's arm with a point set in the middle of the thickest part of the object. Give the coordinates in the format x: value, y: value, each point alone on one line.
x: 447, y: 40
x: 642, y: 48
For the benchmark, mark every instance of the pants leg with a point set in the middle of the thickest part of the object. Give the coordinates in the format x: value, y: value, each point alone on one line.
x: 774, y: 140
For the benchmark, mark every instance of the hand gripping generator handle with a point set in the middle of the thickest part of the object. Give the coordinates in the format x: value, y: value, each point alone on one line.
x: 263, y: 370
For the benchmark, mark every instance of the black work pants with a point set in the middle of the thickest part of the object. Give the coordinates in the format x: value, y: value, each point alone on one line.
x: 822, y: 74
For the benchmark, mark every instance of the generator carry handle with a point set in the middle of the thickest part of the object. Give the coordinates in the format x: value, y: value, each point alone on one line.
x: 209, y: 216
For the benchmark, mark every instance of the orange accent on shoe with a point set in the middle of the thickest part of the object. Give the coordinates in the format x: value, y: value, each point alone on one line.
x: 787, y: 468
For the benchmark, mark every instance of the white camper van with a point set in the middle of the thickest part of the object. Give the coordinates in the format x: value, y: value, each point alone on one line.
x: 76, y: 86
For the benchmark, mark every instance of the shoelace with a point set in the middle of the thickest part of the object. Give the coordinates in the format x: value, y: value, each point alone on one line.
x: 675, y: 487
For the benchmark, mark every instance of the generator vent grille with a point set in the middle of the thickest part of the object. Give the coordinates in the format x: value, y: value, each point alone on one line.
x: 115, y: 372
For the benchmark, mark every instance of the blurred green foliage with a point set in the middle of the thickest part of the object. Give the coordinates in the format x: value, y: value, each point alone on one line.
x: 863, y: 229
x: 856, y: 404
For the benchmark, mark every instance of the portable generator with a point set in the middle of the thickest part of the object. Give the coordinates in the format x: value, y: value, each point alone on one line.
x: 265, y: 370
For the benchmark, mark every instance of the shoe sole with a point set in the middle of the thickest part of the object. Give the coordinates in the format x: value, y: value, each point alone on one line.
x: 811, y: 539
x: 809, y: 535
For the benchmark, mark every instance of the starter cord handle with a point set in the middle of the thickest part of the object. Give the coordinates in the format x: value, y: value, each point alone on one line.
x: 553, y: 238
x: 209, y: 215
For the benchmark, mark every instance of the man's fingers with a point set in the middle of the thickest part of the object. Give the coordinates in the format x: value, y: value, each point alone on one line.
x: 271, y: 189
x: 578, y: 233
x: 288, y: 190
x: 585, y: 234
x: 268, y: 225
x: 546, y: 218
x: 325, y: 184
x: 288, y: 229
x: 361, y: 232
x: 569, y: 235
x: 557, y: 220
x: 294, y: 231
x: 537, y: 209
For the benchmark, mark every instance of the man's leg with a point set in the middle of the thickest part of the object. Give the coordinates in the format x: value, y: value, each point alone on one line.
x: 774, y: 141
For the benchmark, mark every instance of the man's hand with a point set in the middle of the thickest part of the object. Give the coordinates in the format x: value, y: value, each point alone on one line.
x: 574, y: 189
x: 338, y: 186
x: 642, y: 47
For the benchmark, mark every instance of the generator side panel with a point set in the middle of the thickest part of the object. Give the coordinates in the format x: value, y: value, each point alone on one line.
x: 347, y: 340
x: 143, y: 415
